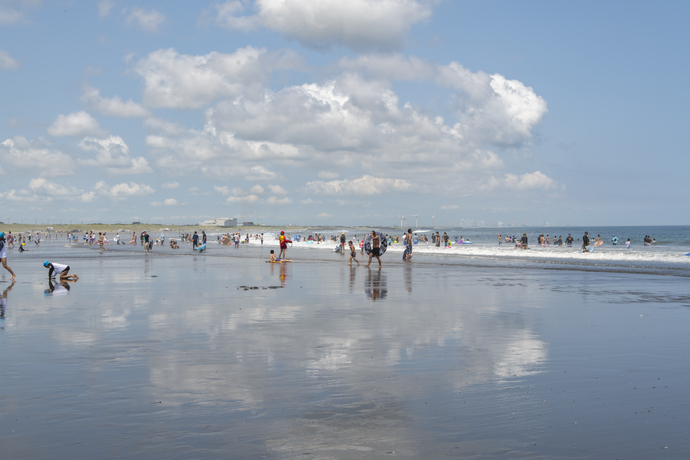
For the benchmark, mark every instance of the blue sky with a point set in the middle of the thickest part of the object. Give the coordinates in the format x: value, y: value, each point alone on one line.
x: 344, y: 113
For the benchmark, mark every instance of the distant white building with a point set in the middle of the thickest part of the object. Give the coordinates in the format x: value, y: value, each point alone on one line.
x: 222, y: 222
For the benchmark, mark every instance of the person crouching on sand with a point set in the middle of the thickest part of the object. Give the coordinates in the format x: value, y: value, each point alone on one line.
x: 61, y: 270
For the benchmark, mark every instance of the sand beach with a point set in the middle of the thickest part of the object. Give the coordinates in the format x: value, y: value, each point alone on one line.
x: 221, y: 355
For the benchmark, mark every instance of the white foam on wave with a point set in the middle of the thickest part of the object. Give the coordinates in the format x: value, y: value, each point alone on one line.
x: 507, y: 251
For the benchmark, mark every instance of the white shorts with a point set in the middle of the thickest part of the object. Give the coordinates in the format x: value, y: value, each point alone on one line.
x: 3, y: 255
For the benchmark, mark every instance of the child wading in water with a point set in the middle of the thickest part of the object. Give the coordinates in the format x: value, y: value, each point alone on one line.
x: 353, y: 254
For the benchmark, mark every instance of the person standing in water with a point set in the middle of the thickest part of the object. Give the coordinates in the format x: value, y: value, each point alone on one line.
x: 146, y: 241
x: 283, y: 244
x: 353, y: 254
x: 375, y: 248
x: 3, y: 255
x: 569, y: 241
x: 195, y: 240
x: 524, y: 241
x: 407, y: 254
x: 585, y: 242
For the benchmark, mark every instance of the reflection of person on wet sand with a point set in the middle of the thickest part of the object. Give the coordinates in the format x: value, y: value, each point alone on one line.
x: 61, y: 270
x: 375, y: 286
x: 408, y: 278
x: 60, y: 288
x: 275, y: 260
x: 3, y: 299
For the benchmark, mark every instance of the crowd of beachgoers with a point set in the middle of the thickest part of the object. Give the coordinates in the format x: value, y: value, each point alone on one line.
x: 373, y: 243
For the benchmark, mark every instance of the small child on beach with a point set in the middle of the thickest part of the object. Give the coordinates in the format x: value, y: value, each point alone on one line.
x: 627, y: 244
x: 353, y: 254
x: 275, y: 260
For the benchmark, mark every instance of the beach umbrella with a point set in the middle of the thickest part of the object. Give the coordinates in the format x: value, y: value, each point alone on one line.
x: 382, y: 246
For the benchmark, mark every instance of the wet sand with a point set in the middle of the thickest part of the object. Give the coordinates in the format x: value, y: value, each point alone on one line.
x: 165, y: 356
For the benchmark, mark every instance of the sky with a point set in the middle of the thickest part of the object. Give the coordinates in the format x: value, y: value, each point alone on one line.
x: 324, y: 112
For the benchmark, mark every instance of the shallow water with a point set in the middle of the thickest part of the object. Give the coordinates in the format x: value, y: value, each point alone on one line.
x: 178, y: 356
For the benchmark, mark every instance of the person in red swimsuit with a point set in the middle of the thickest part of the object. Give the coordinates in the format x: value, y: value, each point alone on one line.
x: 283, y: 244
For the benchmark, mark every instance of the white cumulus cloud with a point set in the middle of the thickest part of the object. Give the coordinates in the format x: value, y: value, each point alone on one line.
x: 530, y: 181
x: 114, y: 106
x: 171, y: 185
x: 50, y: 190
x: 365, y: 185
x: 181, y: 81
x: 104, y: 8
x: 112, y: 153
x: 278, y: 200
x: 75, y: 124
x: 36, y: 156
x: 489, y: 108
x: 16, y: 11
x: 146, y: 20
x: 357, y: 24
x: 243, y: 199
x: 353, y: 121
x: 7, y: 62
x: 123, y: 190
x: 328, y: 175
x: 277, y: 190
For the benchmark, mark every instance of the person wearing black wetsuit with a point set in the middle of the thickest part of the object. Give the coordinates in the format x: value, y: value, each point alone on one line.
x: 195, y: 240
x: 145, y: 241
x: 523, y: 241
x: 569, y: 240
x: 585, y: 242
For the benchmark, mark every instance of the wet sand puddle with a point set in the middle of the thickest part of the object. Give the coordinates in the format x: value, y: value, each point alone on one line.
x: 223, y: 357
